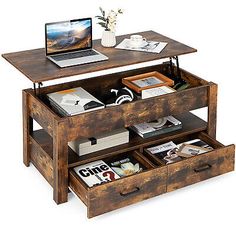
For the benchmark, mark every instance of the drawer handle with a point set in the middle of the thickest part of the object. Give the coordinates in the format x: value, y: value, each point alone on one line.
x: 129, y: 193
x: 202, y: 168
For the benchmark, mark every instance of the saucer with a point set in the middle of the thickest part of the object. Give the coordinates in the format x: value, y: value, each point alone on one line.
x: 143, y: 44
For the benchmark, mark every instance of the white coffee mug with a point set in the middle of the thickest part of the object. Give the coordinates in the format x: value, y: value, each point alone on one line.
x: 137, y: 40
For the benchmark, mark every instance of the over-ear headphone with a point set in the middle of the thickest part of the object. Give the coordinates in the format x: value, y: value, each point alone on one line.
x: 119, y: 96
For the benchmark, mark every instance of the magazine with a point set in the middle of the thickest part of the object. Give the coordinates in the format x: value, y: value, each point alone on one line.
x: 170, y: 152
x: 188, y: 150
x: 197, y: 142
x: 167, y: 152
x: 148, y: 46
x: 125, y: 166
x: 96, y: 173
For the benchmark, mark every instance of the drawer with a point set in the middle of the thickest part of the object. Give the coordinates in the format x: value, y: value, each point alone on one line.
x: 201, y: 167
x: 121, y: 192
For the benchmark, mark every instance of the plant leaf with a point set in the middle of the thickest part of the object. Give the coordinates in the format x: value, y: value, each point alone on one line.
x: 102, y: 11
x: 100, y: 18
x: 102, y: 24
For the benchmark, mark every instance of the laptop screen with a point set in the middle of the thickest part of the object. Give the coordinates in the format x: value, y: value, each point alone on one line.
x: 68, y: 36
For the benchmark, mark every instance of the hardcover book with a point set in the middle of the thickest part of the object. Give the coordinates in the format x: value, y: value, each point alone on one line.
x: 157, y: 127
x: 74, y: 101
x: 153, y: 92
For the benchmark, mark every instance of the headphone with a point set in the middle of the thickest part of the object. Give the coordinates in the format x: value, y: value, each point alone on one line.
x: 119, y: 96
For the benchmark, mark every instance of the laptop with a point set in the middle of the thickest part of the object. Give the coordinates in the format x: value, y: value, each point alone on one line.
x: 69, y: 43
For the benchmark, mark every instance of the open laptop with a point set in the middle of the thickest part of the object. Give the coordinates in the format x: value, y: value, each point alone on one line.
x: 69, y: 43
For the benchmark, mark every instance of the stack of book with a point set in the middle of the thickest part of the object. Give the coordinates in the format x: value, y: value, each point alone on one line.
x: 157, y: 127
x: 74, y: 101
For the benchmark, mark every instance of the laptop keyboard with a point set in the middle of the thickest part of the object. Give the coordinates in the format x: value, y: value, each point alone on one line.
x: 74, y: 55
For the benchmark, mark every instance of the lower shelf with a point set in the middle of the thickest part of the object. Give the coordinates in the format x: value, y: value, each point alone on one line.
x: 191, y: 124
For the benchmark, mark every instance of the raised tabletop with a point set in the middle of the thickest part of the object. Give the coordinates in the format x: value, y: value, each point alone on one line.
x: 35, y: 66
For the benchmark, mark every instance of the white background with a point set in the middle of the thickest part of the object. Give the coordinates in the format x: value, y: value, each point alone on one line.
x: 26, y: 205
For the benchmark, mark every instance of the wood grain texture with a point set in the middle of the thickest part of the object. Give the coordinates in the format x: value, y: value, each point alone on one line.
x: 114, y: 195
x: 212, y: 109
x: 77, y: 186
x: 41, y: 113
x: 60, y: 162
x: 191, y: 124
x: 35, y: 66
x: 27, y: 128
x: 186, y: 172
x: 108, y: 119
x: 41, y: 160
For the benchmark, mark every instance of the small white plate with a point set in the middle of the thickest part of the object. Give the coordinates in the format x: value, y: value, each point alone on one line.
x: 129, y: 44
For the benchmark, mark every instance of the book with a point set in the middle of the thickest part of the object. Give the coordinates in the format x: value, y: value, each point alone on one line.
x: 96, y: 173
x: 157, y: 127
x: 74, y: 101
x: 148, y: 46
x: 152, y: 92
x: 199, y: 143
x: 125, y: 166
x: 167, y: 152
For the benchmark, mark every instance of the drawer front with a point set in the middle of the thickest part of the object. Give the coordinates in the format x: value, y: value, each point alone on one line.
x: 126, y: 191
x: 201, y: 167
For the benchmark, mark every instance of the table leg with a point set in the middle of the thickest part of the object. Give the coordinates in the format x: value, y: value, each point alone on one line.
x: 212, y: 110
x: 27, y: 129
x: 60, y: 163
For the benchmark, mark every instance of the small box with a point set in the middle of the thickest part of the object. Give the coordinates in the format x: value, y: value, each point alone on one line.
x: 100, y: 142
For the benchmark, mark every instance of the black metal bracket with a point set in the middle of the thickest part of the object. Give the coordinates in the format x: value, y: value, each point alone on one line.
x: 176, y: 77
x: 37, y: 91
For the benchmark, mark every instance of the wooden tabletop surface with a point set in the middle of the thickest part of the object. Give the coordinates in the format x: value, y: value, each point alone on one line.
x: 35, y: 66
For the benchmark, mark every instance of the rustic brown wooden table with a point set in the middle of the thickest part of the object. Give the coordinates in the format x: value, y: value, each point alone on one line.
x: 48, y: 149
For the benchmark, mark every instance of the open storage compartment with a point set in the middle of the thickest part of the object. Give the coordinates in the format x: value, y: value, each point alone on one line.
x: 121, y: 192
x: 197, y: 168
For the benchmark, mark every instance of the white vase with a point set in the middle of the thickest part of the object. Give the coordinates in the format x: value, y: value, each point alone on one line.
x: 108, y: 38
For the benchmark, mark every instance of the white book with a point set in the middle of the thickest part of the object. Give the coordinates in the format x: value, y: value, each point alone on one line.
x: 152, y: 92
x: 74, y: 101
x: 96, y: 173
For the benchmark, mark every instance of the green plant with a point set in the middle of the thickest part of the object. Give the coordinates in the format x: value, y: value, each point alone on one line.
x: 108, y: 21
